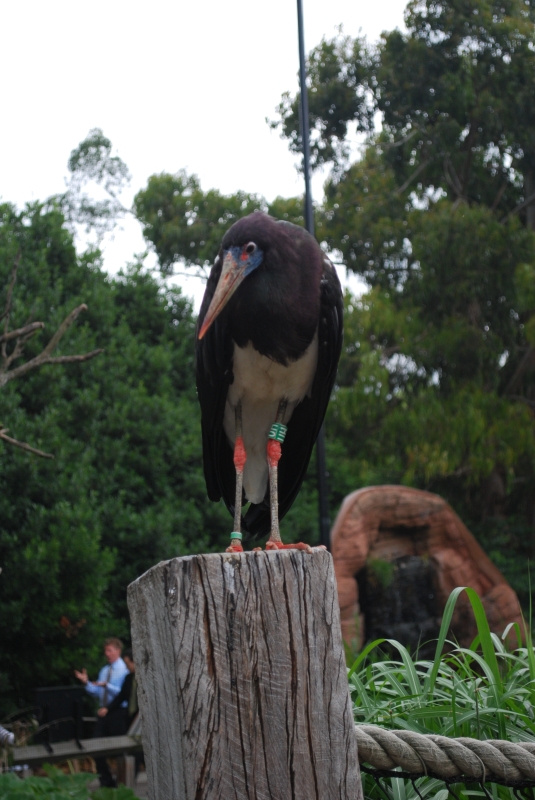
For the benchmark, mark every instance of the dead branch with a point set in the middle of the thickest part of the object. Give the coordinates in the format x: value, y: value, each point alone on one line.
x: 27, y: 329
x: 21, y: 336
x: 416, y: 172
x: 519, y: 207
x: 453, y: 178
x: 45, y: 356
x: 65, y: 325
x: 499, y: 195
x: 23, y: 445
x: 399, y: 142
x: 41, y: 360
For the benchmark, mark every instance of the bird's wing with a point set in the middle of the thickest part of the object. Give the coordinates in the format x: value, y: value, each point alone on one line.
x: 307, y: 417
x: 213, y: 355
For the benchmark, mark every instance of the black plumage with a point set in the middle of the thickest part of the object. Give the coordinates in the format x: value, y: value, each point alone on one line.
x: 292, y: 293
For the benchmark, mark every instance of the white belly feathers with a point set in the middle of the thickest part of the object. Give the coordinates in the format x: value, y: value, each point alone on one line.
x: 261, y: 384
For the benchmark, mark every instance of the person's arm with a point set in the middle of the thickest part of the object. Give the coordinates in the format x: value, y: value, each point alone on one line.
x: 91, y: 687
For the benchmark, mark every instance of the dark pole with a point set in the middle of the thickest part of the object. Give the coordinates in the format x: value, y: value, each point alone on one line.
x: 309, y: 224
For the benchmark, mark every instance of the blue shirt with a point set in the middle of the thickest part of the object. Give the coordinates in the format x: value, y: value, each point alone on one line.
x: 114, y: 675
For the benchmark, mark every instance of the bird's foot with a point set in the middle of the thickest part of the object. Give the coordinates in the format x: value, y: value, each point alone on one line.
x: 235, y: 543
x: 272, y: 545
x: 234, y: 547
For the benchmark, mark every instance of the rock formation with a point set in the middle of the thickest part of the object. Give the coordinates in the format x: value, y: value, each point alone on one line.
x: 398, y: 553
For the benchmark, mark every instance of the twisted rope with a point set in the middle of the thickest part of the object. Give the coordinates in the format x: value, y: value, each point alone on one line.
x: 448, y: 759
x: 6, y: 738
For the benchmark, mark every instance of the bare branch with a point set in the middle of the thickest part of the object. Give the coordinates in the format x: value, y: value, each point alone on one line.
x: 65, y: 325
x: 199, y: 275
x: 499, y: 195
x: 519, y: 207
x: 453, y: 178
x: 45, y: 356
x: 27, y: 329
x: 21, y: 336
x: 41, y: 360
x: 389, y: 145
x: 416, y: 172
x: 23, y: 445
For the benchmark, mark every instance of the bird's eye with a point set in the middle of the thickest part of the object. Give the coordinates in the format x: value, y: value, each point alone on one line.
x: 250, y: 248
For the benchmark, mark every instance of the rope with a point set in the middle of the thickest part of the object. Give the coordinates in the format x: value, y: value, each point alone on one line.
x: 6, y: 738
x: 448, y: 759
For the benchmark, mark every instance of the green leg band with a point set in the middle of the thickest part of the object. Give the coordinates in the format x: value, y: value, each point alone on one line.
x: 278, y: 432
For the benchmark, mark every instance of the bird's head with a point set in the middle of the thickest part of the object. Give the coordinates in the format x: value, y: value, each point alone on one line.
x: 242, y: 252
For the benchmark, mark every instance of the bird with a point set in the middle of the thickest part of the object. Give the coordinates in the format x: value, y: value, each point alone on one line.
x: 268, y: 340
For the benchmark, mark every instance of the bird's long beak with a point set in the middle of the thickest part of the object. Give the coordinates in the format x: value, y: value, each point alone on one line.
x: 232, y: 274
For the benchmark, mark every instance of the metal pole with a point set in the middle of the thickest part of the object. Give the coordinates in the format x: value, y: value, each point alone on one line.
x: 324, y: 522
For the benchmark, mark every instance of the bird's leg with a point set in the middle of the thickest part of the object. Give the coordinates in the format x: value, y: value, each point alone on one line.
x: 276, y: 437
x: 240, y: 457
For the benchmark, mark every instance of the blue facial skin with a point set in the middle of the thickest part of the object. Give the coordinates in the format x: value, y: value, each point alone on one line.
x: 253, y: 261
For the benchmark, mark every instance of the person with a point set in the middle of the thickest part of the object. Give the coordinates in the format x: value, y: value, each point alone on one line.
x: 105, y: 689
x: 128, y: 693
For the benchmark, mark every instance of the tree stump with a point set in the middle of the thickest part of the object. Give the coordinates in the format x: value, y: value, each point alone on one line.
x: 243, y: 685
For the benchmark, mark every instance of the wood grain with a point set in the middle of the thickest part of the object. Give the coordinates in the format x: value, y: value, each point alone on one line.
x: 243, y: 686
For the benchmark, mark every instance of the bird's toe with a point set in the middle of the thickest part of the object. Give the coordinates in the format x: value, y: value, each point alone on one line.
x: 234, y: 548
x: 270, y: 545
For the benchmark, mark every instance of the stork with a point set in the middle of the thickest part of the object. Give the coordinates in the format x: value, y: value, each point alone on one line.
x: 269, y: 337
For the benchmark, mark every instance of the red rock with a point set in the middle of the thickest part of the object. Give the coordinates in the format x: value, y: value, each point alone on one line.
x: 390, y: 522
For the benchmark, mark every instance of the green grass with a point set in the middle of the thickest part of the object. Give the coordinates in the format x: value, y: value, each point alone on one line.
x: 485, y: 691
x: 57, y: 786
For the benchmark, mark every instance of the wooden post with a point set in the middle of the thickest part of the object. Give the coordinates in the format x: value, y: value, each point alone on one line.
x: 243, y: 685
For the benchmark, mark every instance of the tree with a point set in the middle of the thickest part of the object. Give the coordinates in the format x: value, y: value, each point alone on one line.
x: 91, y: 165
x: 13, y: 343
x: 185, y: 224
x: 437, y: 382
x: 125, y: 489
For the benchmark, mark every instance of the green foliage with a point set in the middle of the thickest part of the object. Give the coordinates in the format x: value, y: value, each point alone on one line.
x: 58, y: 786
x: 437, y: 378
x: 485, y: 691
x: 92, y: 163
x: 338, y: 73
x: 454, y: 94
x: 125, y: 488
x: 421, y: 402
x: 186, y: 224
x: 382, y: 571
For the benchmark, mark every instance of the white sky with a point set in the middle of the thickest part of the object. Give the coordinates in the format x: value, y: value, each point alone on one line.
x: 172, y: 84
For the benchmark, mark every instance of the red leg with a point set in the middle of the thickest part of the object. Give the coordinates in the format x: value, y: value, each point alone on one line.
x: 274, y: 453
x: 240, y: 457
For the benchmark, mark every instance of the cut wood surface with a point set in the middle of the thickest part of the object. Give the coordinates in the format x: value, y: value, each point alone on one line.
x: 243, y: 684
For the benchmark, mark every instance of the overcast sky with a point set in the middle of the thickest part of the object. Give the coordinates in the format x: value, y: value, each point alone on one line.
x: 172, y: 84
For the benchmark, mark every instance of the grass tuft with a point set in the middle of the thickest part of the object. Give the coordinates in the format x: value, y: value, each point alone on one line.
x: 485, y: 691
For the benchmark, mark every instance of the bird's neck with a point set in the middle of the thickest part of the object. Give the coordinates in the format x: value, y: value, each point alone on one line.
x: 279, y: 317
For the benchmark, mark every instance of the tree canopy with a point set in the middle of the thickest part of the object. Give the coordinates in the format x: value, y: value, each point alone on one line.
x: 436, y: 386
x: 437, y: 383
x: 125, y: 488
